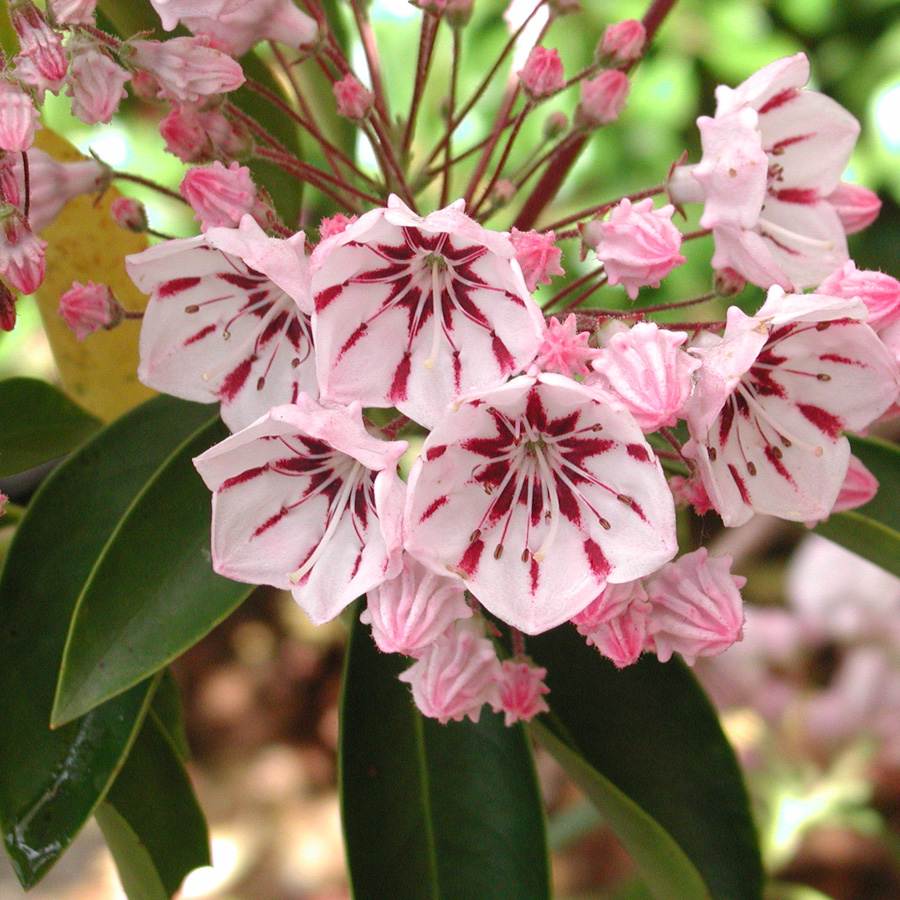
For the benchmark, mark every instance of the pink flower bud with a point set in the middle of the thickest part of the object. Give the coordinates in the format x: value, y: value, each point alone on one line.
x: 18, y: 118
x: 40, y: 45
x: 612, y: 601
x: 697, y: 609
x: 96, y: 85
x: 857, y: 206
x: 22, y: 261
x: 188, y: 68
x: 335, y: 224
x: 72, y: 12
x: 353, y: 100
x: 564, y: 349
x: 880, y: 292
x: 537, y: 256
x: 542, y: 74
x: 624, y: 637
x: 602, y: 98
x: 218, y: 195
x: 638, y: 245
x: 555, y: 124
x: 89, y: 307
x: 198, y: 135
x: 129, y: 213
x: 859, y: 487
x: 621, y: 43
x: 7, y: 308
x: 410, y: 612
x: 455, y: 677
x: 521, y: 691
x: 504, y: 190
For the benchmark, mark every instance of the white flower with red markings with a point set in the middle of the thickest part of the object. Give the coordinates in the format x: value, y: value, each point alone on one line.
x: 773, y: 399
x: 305, y: 499
x: 227, y: 320
x: 413, y: 312
x: 537, y: 494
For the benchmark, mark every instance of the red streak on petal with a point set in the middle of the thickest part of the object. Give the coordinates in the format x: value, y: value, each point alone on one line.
x: 779, y: 99
x: 798, y: 195
x: 272, y: 520
x: 834, y: 357
x: 778, y: 465
x: 323, y: 298
x: 596, y: 559
x: 433, y: 508
x: 176, y: 286
x: 823, y: 420
x: 534, y: 572
x: 435, y: 452
x: 235, y: 380
x: 398, y: 391
x: 471, y: 558
x: 636, y: 451
x: 249, y: 475
x: 739, y: 482
x: 202, y: 333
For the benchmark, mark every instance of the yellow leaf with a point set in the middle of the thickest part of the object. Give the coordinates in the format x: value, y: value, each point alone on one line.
x: 85, y: 244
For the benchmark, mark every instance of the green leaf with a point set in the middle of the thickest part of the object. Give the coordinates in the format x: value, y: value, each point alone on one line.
x: 873, y: 530
x: 50, y: 781
x: 151, y: 819
x: 154, y: 568
x: 166, y: 708
x: 650, y: 733
x: 38, y: 423
x: 430, y: 811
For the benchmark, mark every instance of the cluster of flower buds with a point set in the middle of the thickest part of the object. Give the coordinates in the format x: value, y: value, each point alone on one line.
x: 551, y: 439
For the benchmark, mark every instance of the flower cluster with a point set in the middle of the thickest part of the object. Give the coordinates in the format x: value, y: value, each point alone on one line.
x: 544, y: 457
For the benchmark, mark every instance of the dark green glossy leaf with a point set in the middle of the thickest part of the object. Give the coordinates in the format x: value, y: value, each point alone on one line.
x: 154, y: 569
x: 38, y: 423
x: 151, y: 819
x: 430, y: 811
x: 166, y: 707
x: 873, y: 530
x: 650, y: 732
x: 50, y: 781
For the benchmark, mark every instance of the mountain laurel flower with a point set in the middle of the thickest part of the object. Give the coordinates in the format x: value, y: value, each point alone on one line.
x: 859, y: 487
x: 306, y: 500
x: 87, y: 308
x: 773, y: 398
x: 72, y: 12
x: 18, y: 118
x: 129, y: 213
x: 638, y: 245
x: 621, y: 44
x: 410, y: 612
x: 564, y: 349
x: 856, y: 206
x: 542, y: 74
x: 96, y: 85
x: 624, y: 637
x: 241, y: 24
x: 40, y: 47
x: 696, y: 606
x: 536, y: 494
x: 772, y: 156
x: 22, y: 252
x: 353, y: 100
x: 880, y: 292
x: 602, y: 98
x: 537, y: 256
x: 645, y: 370
x: 455, y: 677
x: 227, y: 320
x: 187, y: 68
x: 521, y: 690
x: 414, y: 311
x: 219, y: 195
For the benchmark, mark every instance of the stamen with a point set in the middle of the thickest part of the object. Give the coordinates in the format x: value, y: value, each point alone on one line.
x: 816, y: 450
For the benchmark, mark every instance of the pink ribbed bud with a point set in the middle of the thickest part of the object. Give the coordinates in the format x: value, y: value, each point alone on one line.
x: 18, y: 118
x: 218, y: 195
x: 522, y: 691
x: 96, y: 85
x: 613, y: 600
x: 856, y: 206
x: 455, y: 677
x: 542, y: 74
x: 410, y: 612
x: 129, y: 213
x: 638, y: 245
x: 188, y: 68
x: 353, y: 100
x: 880, y: 292
x: 621, y: 43
x: 859, y: 487
x: 623, y: 638
x: 602, y: 98
x: 89, y: 307
x: 537, y: 256
x: 335, y: 224
x: 40, y: 47
x: 22, y: 261
x: 72, y: 12
x: 197, y: 135
x: 564, y: 349
x: 697, y: 608
x: 645, y: 369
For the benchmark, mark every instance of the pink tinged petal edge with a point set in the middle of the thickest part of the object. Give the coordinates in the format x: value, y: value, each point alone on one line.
x: 215, y: 328
x: 306, y: 500
x: 537, y: 530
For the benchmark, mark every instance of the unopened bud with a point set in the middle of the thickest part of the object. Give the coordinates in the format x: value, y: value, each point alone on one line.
x: 504, y: 191
x: 621, y: 44
x: 555, y: 124
x: 89, y: 307
x: 602, y: 98
x: 857, y: 206
x: 129, y: 213
x: 542, y: 74
x: 353, y: 100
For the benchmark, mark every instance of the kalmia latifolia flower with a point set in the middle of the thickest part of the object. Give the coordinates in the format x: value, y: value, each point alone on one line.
x: 18, y: 117
x: 96, y: 85
x: 228, y: 320
x: 542, y: 74
x: 537, y: 255
x: 87, y: 308
x: 564, y: 349
x: 219, y: 195
x: 880, y: 292
x: 621, y: 43
x: 353, y: 100
x: 23, y: 261
x: 306, y: 500
x: 412, y: 312
x: 521, y: 690
x: 536, y: 495
x: 602, y: 98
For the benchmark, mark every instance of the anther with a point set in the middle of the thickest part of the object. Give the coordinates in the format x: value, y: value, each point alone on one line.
x: 192, y: 308
x: 751, y: 468
x: 498, y: 552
